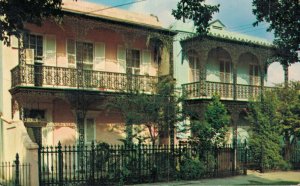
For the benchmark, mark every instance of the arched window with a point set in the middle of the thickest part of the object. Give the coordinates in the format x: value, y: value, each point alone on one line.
x: 194, y: 64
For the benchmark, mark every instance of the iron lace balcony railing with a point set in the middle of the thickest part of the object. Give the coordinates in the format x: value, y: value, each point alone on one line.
x: 60, y: 77
x: 202, y: 90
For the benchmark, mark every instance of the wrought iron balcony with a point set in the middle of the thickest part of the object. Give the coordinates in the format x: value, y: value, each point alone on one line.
x: 206, y: 89
x: 60, y: 77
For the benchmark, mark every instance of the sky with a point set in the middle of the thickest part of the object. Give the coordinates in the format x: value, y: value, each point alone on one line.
x: 236, y: 15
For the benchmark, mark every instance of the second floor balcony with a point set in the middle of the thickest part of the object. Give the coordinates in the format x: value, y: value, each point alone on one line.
x: 41, y: 76
x: 226, y: 91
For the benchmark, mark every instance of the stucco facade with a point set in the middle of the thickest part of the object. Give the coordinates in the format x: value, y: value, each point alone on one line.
x: 57, y: 79
x: 229, y: 64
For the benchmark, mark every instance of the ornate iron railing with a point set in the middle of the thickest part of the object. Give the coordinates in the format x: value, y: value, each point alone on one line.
x: 60, y: 77
x: 207, y: 89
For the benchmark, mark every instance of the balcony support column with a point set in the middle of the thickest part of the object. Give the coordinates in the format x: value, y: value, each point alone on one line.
x: 262, y: 79
x: 234, y: 88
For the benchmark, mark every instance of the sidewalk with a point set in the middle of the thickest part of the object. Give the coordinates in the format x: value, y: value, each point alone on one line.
x: 253, y: 178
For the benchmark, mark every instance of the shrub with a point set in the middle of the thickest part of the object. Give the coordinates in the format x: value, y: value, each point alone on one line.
x: 191, y: 169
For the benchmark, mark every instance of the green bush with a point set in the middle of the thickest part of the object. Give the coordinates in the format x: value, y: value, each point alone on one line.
x: 191, y: 169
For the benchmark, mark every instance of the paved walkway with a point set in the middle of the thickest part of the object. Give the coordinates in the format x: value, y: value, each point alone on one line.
x: 253, y: 178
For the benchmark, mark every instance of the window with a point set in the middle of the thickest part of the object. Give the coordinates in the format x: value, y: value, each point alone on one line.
x: 194, y: 67
x: 225, y: 71
x: 254, y: 75
x: 133, y: 60
x: 90, y: 130
x: 80, y: 52
x: 34, y: 42
x: 33, y: 114
x: 84, y: 55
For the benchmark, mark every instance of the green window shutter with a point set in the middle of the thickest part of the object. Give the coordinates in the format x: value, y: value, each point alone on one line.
x: 50, y: 50
x: 146, y: 61
x: 121, y: 57
x: 99, y: 60
x: 71, y: 53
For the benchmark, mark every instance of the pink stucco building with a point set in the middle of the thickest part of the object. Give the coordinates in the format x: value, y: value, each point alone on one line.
x: 63, y: 74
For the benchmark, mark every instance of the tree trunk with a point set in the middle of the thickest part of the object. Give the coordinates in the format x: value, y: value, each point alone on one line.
x: 286, y: 75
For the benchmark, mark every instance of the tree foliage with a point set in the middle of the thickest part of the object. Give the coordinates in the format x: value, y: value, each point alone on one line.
x: 197, y: 11
x: 212, y: 131
x: 266, y: 132
x: 15, y: 13
x: 289, y: 111
x: 157, y: 111
x: 283, y: 17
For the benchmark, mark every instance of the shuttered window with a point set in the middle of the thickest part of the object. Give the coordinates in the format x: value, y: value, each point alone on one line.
x: 50, y: 50
x: 146, y: 61
x: 99, y: 60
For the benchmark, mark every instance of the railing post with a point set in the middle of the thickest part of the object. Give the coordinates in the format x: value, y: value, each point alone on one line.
x: 140, y: 161
x: 216, y: 160
x: 246, y: 158
x: 17, y: 164
x: 60, y: 164
x: 40, y: 165
x: 92, y: 163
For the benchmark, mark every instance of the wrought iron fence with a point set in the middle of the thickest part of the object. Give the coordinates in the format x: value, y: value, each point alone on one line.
x: 291, y: 153
x: 111, y: 164
x: 226, y: 90
x: 49, y: 76
x: 15, y: 173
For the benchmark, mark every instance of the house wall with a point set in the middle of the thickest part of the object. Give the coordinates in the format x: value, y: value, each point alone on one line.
x: 8, y: 137
x: 213, y: 70
x: 111, y: 38
x: 1, y: 103
x: 243, y: 73
x: 61, y: 125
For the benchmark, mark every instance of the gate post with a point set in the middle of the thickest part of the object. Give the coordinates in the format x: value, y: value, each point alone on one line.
x: 40, y: 164
x: 140, y: 161
x: 92, y: 178
x: 246, y: 158
x: 60, y: 164
x: 17, y: 163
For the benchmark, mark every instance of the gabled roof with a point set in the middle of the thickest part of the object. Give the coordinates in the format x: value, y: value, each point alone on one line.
x: 218, y: 30
x: 83, y: 7
x: 217, y: 24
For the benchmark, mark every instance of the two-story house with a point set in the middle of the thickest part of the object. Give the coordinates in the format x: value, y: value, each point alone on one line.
x: 229, y: 64
x: 64, y: 73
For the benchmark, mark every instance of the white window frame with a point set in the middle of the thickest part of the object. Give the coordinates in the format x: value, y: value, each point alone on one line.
x: 75, y: 54
x: 195, y: 76
x: 41, y: 60
x: 225, y: 61
x: 140, y: 61
x: 252, y: 77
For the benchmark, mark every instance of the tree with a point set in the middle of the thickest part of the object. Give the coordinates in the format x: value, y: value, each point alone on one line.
x: 211, y: 132
x: 197, y: 11
x: 266, y: 132
x: 283, y: 17
x: 289, y: 111
x: 157, y: 111
x: 15, y: 13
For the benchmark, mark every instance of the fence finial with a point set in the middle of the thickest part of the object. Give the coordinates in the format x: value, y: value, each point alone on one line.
x: 17, y: 162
